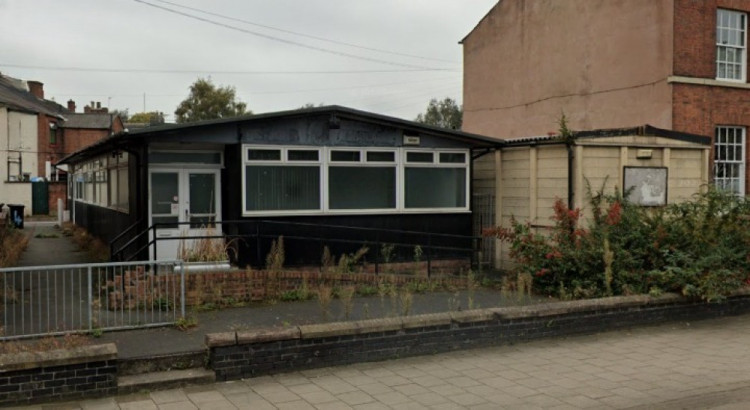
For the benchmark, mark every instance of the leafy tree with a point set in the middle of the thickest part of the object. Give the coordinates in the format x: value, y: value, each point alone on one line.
x: 122, y: 113
x: 207, y: 102
x: 310, y: 105
x: 151, y: 117
x: 445, y: 114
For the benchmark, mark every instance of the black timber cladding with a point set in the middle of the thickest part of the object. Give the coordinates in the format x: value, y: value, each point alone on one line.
x: 320, y: 126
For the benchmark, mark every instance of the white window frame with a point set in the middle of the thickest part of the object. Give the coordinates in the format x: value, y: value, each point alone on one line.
x: 437, y: 164
x: 738, y: 26
x: 283, y: 161
x: 94, y: 173
x: 325, y: 162
x: 396, y: 164
x: 741, y: 163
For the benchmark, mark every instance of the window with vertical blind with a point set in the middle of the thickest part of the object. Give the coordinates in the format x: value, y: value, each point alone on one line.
x: 282, y: 179
x: 361, y: 179
x: 435, y: 180
x: 311, y: 180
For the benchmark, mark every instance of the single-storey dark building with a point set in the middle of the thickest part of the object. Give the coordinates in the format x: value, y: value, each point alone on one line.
x: 303, y: 173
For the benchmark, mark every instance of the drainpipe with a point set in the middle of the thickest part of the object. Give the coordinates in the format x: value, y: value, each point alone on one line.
x: 571, y: 176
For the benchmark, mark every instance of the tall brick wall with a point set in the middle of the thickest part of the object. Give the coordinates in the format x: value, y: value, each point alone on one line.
x: 699, y: 109
x: 75, y: 139
x: 57, y: 190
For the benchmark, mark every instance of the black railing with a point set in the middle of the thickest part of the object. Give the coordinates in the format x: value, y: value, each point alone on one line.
x: 250, y: 240
x: 116, y: 251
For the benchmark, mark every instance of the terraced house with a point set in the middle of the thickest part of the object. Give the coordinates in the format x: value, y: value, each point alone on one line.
x: 679, y: 65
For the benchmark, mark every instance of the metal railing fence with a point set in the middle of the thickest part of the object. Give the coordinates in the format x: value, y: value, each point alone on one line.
x: 256, y: 235
x: 54, y: 300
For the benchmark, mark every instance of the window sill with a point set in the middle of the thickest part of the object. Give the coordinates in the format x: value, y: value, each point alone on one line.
x: 675, y: 79
x: 357, y: 212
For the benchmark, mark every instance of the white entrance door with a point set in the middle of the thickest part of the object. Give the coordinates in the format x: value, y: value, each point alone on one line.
x: 185, y: 203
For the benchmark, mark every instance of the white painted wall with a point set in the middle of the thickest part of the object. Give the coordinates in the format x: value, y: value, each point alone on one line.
x: 18, y: 139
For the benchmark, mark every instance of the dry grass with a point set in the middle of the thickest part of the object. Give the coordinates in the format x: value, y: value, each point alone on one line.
x: 95, y: 247
x: 346, y: 294
x: 325, y: 296
x: 12, y: 244
x: 204, y: 249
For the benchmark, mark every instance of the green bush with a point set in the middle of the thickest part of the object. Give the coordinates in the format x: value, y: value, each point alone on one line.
x: 698, y: 248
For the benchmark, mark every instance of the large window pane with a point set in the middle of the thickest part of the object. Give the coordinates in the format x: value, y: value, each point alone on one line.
x: 435, y: 187
x: 164, y: 198
x: 122, y: 189
x: 164, y: 191
x: 362, y: 187
x: 282, y: 188
x: 202, y: 199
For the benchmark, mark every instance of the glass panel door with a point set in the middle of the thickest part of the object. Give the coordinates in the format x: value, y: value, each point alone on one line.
x: 186, y: 201
x: 202, y: 188
x: 165, y: 206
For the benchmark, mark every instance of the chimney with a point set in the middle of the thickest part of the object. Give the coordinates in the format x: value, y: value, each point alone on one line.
x: 36, y: 88
x: 98, y: 105
x: 71, y: 106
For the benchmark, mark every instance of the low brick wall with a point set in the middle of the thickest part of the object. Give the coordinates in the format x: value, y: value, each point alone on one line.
x: 236, y: 355
x: 31, y: 377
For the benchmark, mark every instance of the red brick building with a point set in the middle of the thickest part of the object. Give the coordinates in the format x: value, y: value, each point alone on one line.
x: 674, y: 64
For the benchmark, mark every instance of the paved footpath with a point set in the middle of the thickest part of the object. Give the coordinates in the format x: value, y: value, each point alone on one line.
x: 702, y: 364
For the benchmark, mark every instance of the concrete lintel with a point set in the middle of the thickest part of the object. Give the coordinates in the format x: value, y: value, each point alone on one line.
x: 329, y: 330
x: 268, y: 335
x: 221, y: 339
x: 428, y: 320
x: 380, y: 325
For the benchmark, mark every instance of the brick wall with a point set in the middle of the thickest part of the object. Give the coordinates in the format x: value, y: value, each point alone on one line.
x: 236, y: 355
x: 700, y: 109
x: 695, y: 35
x: 57, y: 190
x: 75, y: 139
x: 88, y: 371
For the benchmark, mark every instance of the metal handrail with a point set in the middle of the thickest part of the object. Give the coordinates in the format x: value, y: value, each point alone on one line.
x: 113, y: 242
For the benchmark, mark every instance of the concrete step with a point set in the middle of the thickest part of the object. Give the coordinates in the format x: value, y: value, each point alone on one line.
x: 163, y: 380
x: 160, y: 363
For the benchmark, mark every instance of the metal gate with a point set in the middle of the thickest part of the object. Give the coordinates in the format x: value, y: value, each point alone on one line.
x: 483, y: 206
x: 40, y: 198
x: 53, y: 300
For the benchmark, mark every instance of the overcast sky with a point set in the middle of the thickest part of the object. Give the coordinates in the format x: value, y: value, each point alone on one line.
x: 384, y: 56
